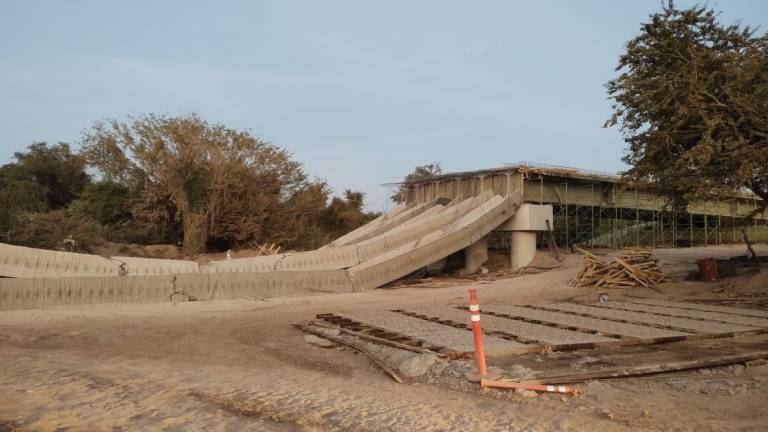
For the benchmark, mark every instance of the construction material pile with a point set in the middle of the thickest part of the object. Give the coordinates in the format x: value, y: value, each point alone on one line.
x: 634, y: 267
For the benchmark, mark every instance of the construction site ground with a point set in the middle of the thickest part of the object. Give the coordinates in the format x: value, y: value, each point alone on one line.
x: 240, y: 365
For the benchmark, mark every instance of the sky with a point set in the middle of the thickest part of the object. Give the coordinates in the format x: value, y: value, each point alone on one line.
x: 359, y: 92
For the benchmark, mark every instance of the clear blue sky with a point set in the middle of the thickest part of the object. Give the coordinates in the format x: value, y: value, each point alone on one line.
x: 360, y: 92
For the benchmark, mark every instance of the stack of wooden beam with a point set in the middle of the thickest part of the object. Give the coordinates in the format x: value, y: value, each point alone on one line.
x: 634, y: 267
x: 268, y: 249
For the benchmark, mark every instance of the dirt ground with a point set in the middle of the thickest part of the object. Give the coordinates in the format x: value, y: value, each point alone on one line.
x: 239, y: 365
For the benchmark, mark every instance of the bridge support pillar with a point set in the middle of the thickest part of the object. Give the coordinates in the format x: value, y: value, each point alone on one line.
x: 475, y: 255
x: 522, y: 248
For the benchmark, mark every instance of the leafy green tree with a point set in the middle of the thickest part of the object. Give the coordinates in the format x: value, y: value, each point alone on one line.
x: 58, y: 230
x: 56, y: 169
x: 45, y: 177
x: 419, y: 173
x: 692, y: 102
x: 344, y: 214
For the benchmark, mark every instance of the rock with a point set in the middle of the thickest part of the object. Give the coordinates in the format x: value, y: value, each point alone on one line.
x: 526, y: 393
x: 417, y: 365
x: 494, y: 374
x: 331, y: 331
x: 737, y: 369
x: 316, y: 340
x: 179, y: 297
x: 439, y: 369
x: 576, y: 364
x: 518, y: 372
x: 605, y: 413
x: 472, y: 376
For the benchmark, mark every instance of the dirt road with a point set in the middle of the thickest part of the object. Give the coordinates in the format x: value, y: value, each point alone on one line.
x: 239, y: 365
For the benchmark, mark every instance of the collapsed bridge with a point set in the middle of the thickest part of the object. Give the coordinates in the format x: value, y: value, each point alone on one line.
x: 408, y: 238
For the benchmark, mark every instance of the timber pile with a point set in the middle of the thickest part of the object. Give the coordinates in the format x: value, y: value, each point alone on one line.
x: 633, y: 268
x: 268, y: 249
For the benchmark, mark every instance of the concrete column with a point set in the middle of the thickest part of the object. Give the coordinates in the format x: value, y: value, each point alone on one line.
x: 475, y: 255
x: 523, y: 248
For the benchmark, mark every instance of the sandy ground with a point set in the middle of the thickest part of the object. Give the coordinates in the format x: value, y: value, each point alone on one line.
x: 239, y: 365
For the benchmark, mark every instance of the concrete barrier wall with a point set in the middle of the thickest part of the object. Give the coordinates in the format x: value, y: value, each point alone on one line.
x: 24, y: 262
x: 264, y: 263
x: 28, y: 293
x: 155, y: 267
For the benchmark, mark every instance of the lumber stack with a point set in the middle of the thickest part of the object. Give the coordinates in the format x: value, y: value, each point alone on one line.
x: 268, y: 249
x: 633, y: 268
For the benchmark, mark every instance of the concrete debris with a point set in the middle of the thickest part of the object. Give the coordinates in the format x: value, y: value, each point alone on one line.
x: 316, y: 340
x: 518, y: 372
x: 417, y: 365
x: 737, y: 369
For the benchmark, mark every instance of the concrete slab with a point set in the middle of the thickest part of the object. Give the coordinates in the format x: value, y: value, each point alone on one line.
x: 434, y: 246
x: 539, y: 334
x: 695, y: 314
x: 705, y: 307
x: 680, y: 324
x: 599, y: 325
x: 432, y: 333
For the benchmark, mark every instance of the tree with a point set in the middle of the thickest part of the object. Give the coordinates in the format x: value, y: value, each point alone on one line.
x: 419, y: 173
x: 345, y: 214
x: 45, y: 177
x: 223, y: 186
x: 691, y: 100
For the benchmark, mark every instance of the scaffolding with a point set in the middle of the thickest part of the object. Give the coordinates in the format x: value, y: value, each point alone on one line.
x: 594, y: 209
x: 630, y: 224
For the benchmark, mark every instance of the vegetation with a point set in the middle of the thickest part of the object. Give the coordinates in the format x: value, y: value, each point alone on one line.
x: 419, y: 173
x: 692, y: 102
x: 166, y: 179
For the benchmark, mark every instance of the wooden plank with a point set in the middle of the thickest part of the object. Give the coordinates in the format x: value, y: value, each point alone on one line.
x: 680, y: 324
x: 378, y: 362
x: 650, y: 369
x: 378, y: 340
x: 705, y: 307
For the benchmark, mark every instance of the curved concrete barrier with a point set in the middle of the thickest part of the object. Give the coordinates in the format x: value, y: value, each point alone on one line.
x: 383, y: 252
x: 154, y: 267
x: 24, y: 262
